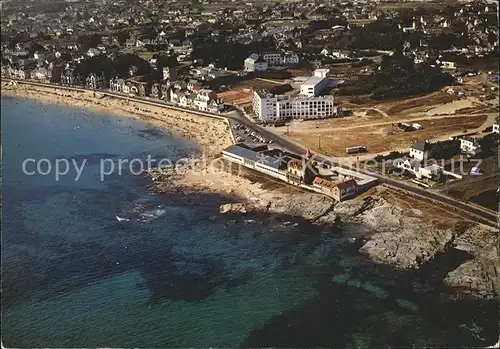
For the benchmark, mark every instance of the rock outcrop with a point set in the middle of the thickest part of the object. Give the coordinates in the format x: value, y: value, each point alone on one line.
x: 234, y: 208
x: 308, y: 206
x: 480, y: 276
x: 398, y: 240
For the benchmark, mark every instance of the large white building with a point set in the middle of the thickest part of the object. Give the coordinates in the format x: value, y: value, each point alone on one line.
x: 315, y: 84
x: 306, y: 108
x: 308, y: 105
x: 273, y: 108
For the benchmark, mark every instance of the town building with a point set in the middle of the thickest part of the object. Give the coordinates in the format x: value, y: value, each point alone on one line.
x: 95, y: 82
x: 206, y: 100
x: 470, y: 146
x: 338, y: 190
x: 255, y: 64
x: 169, y: 74
x: 290, y: 58
x: 273, y: 58
x: 420, y: 150
x: 496, y: 128
x: 274, y: 108
x: 315, y: 84
x: 414, y: 167
x: 301, y: 171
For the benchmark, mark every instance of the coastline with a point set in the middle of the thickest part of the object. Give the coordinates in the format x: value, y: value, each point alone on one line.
x: 210, y: 134
x: 400, y: 236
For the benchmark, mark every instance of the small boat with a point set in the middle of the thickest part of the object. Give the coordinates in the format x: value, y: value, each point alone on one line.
x: 120, y: 219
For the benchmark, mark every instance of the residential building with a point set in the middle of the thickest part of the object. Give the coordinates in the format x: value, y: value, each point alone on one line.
x: 272, y: 58
x: 95, y: 82
x: 255, y: 64
x: 290, y: 58
x: 169, y: 73
x: 414, y: 167
x: 40, y: 74
x: 206, y: 100
x: 156, y: 91
x: 448, y: 65
x: 420, y: 150
x: 92, y: 52
x: 496, y: 128
x: 470, y: 145
x: 69, y: 77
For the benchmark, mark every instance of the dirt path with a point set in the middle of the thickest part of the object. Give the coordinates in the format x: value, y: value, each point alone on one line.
x: 381, y: 112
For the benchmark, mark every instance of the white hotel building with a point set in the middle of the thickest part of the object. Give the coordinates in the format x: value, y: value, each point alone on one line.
x: 308, y: 105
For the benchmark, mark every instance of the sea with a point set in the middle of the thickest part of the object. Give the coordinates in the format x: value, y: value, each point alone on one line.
x: 175, y: 273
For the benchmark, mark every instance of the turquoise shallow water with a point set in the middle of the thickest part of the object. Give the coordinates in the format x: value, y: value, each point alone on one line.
x: 73, y: 276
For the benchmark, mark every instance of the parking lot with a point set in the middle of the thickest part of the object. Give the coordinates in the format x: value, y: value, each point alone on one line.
x: 245, y: 134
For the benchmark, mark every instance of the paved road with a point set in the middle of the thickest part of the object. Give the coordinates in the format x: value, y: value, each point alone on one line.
x: 467, y: 210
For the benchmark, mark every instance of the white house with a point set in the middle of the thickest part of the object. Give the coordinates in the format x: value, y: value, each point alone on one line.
x: 420, y: 150
x: 206, y: 100
x: 496, y: 128
x: 340, y: 54
x: 92, y: 52
x: 255, y: 63
x: 432, y: 172
x: 470, y: 145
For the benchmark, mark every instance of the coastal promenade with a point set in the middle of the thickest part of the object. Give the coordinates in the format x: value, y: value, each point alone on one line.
x: 465, y: 209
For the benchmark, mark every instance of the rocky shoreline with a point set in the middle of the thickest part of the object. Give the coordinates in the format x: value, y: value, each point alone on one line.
x: 396, y: 238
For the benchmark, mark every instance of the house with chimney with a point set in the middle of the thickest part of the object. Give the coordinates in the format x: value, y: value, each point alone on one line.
x: 421, y: 150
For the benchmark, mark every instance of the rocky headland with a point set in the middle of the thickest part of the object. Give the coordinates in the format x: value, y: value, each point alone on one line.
x: 397, y: 237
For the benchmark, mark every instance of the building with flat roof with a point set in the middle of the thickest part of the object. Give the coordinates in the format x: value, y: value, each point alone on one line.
x: 315, y: 84
x: 274, y: 108
x: 297, y: 170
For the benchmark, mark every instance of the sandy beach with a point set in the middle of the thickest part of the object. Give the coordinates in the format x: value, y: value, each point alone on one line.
x: 212, y: 135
